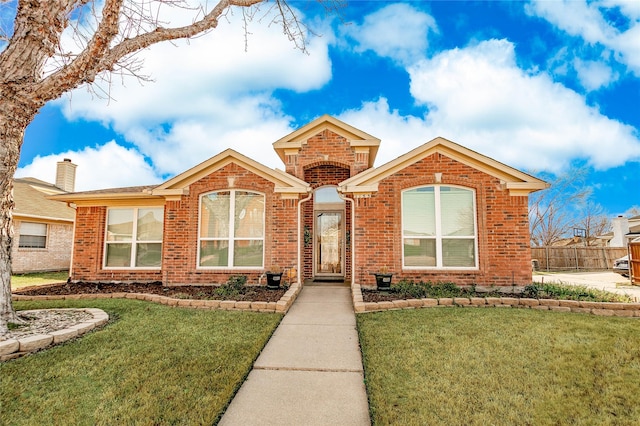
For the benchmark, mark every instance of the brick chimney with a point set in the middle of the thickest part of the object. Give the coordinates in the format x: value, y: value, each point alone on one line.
x: 66, y: 175
x: 620, y: 229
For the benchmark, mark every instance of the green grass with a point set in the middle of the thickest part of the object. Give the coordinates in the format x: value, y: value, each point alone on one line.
x: 38, y: 278
x: 152, y: 365
x: 500, y: 366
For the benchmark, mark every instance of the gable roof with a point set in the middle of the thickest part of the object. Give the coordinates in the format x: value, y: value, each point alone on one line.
x: 177, y: 186
x: 110, y: 196
x: 517, y: 182
x: 357, y: 138
x: 284, y: 182
x: 31, y: 202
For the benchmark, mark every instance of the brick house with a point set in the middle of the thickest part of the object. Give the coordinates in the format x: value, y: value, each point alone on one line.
x: 43, y: 229
x: 441, y: 212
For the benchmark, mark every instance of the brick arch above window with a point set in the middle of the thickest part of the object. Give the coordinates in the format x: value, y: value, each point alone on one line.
x: 326, y: 163
x: 326, y: 173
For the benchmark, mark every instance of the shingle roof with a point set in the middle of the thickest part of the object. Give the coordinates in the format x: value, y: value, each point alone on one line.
x: 123, y: 190
x: 30, y: 200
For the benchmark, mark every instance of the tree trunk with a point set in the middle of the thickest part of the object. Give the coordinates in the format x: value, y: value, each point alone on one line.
x: 14, y: 118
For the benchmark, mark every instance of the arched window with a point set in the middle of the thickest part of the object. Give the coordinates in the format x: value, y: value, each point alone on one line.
x: 439, y: 228
x: 327, y: 194
x: 231, y: 233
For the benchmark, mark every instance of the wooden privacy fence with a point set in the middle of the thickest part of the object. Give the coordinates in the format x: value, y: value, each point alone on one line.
x: 575, y: 258
x: 634, y: 262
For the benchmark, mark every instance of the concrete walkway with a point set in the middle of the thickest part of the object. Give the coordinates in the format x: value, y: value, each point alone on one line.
x: 310, y: 372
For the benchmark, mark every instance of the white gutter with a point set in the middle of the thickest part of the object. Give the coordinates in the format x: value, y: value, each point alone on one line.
x: 353, y: 227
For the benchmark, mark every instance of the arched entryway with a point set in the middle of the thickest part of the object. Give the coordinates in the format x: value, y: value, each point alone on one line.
x: 329, y: 234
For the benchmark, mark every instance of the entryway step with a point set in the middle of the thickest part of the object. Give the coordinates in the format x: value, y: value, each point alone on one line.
x: 327, y: 283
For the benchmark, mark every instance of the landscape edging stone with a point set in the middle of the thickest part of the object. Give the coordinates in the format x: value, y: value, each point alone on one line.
x: 14, y: 348
x: 607, y: 309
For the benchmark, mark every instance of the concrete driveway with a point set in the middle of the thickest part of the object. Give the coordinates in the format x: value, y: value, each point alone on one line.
x: 609, y: 281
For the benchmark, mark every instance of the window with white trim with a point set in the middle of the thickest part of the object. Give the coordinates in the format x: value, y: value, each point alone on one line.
x: 134, y: 237
x: 33, y: 235
x: 439, y: 228
x: 231, y: 231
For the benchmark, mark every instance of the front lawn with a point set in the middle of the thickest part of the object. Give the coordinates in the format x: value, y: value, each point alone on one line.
x: 500, y: 366
x: 38, y: 278
x: 152, y: 365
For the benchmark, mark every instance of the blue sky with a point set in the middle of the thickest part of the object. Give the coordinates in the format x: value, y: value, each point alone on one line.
x: 541, y: 86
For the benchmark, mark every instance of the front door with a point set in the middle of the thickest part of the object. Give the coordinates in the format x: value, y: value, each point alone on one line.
x: 329, y: 244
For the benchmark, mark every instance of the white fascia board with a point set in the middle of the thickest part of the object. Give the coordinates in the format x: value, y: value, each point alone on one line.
x: 358, y: 188
x: 19, y: 216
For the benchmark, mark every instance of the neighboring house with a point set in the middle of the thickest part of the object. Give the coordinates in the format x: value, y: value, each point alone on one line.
x: 43, y: 229
x: 623, y: 230
x: 580, y: 242
x: 441, y: 212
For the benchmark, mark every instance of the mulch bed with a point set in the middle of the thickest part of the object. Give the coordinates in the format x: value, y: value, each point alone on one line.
x: 389, y: 296
x: 199, y: 292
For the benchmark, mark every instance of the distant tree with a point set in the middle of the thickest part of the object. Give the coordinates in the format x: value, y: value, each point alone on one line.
x: 552, y: 211
x: 36, y: 68
x: 593, y: 219
x: 633, y: 211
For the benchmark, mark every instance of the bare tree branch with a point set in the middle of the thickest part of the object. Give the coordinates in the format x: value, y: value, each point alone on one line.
x: 552, y: 211
x: 35, y: 67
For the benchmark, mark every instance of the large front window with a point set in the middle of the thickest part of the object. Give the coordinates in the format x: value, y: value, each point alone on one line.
x: 438, y: 227
x: 134, y: 238
x: 231, y: 229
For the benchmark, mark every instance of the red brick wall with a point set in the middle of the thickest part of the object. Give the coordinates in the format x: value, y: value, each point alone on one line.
x: 181, y: 229
x: 326, y: 159
x: 88, y: 247
x: 326, y: 147
x: 180, y: 247
x: 317, y: 175
x: 504, y: 255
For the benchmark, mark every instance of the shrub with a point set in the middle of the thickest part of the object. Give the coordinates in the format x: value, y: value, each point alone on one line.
x: 571, y: 292
x: 234, y: 286
x: 410, y: 289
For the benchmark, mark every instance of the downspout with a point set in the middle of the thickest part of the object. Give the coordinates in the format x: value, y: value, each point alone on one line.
x: 304, y: 200
x: 73, y: 236
x: 353, y: 227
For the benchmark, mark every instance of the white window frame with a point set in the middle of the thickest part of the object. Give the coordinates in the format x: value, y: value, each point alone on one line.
x: 231, y: 238
x: 46, y: 236
x: 438, y: 234
x: 134, y: 240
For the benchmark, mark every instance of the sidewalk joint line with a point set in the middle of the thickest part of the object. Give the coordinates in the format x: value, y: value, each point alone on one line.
x: 310, y: 369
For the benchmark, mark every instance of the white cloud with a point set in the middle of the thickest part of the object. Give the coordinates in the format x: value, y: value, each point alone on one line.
x: 208, y: 93
x: 593, y: 75
x: 105, y: 166
x: 588, y: 21
x: 398, y: 31
x: 398, y: 134
x: 189, y: 142
x: 479, y: 98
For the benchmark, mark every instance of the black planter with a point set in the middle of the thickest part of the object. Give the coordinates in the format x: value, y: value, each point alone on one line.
x: 383, y: 281
x: 273, y: 280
